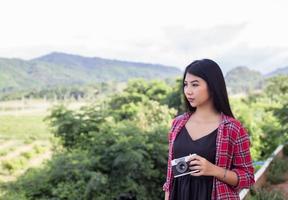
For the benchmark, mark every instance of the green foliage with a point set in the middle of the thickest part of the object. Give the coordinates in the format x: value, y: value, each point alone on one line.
x: 262, y: 126
x: 263, y: 194
x: 123, y: 159
x: 175, y: 98
x: 285, y: 149
x: 265, y: 117
x: 15, y: 164
x: 12, y: 165
x: 67, y: 92
x: 75, y: 128
x: 119, y: 146
x: 277, y: 168
x: 14, y: 196
x: 64, y: 178
x: 277, y: 88
x: 124, y: 154
x: 282, y: 114
x: 277, y: 91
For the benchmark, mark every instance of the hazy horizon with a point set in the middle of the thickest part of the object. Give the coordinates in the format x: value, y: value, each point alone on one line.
x: 224, y: 69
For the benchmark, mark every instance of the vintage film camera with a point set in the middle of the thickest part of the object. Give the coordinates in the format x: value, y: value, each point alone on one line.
x: 180, y: 166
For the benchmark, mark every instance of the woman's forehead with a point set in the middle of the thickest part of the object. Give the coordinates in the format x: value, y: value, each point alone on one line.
x: 190, y: 77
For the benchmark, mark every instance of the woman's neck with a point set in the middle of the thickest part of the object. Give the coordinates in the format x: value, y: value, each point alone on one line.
x: 206, y: 113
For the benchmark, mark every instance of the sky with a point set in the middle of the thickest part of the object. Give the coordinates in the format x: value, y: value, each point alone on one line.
x: 233, y: 33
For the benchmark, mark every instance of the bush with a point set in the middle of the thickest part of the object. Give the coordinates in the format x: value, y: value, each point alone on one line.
x: 263, y: 194
x: 277, y: 170
x: 68, y: 176
x: 285, y: 149
x: 119, y: 148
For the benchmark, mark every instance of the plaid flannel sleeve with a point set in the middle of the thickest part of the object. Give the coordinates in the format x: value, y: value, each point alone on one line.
x: 242, y: 162
x: 167, y: 184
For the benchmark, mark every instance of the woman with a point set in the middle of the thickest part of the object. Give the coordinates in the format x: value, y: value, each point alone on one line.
x: 221, y: 163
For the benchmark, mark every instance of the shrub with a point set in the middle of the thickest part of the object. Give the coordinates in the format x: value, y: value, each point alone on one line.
x: 277, y: 169
x: 263, y: 194
x: 285, y: 149
x: 66, y: 177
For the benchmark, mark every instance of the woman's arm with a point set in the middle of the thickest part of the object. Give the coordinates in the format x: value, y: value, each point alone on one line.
x: 225, y: 175
x: 166, y: 195
x: 169, y: 177
x: 206, y: 168
x: 242, y: 163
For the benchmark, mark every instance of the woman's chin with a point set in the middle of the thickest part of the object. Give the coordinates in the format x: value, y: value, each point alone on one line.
x: 193, y: 105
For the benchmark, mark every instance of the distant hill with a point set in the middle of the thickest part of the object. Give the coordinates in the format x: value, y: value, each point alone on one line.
x: 279, y: 71
x: 65, y: 69
x: 61, y: 69
x: 242, y: 80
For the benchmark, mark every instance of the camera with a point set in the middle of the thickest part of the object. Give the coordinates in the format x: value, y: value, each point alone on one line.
x: 180, y: 166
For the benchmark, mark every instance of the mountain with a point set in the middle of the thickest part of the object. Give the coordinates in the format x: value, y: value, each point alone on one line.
x: 65, y: 69
x: 242, y: 80
x: 279, y: 71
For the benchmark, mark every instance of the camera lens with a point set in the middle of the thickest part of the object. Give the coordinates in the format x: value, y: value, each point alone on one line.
x: 181, y: 166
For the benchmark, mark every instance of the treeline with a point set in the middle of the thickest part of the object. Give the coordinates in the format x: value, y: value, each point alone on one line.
x: 70, y: 92
x: 117, y: 148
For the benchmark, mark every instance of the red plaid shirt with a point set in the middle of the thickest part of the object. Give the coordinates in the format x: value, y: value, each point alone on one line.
x: 232, y: 152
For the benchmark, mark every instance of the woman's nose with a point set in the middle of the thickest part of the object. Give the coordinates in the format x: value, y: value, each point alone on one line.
x: 189, y: 90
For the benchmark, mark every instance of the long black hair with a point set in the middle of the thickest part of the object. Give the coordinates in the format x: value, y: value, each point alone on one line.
x: 210, y: 71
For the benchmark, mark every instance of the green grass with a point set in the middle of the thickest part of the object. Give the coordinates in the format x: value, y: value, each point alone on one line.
x: 4, y: 152
x: 14, y: 164
x: 26, y: 127
x: 20, y: 162
x: 39, y: 149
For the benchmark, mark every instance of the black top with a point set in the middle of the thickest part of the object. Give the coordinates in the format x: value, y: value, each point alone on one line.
x: 189, y: 187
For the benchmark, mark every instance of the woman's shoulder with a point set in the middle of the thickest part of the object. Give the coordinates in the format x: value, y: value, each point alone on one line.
x: 231, y: 120
x: 181, y: 117
x: 235, y: 126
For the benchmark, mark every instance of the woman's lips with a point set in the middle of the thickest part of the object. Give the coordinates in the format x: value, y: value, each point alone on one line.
x: 190, y: 99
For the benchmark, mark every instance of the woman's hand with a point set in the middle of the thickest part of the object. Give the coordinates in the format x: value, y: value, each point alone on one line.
x: 201, y: 166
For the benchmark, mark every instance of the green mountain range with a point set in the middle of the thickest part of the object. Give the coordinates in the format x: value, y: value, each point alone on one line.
x: 60, y: 69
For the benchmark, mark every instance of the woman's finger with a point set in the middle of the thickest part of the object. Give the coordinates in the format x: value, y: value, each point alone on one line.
x: 194, y: 162
x: 195, y: 157
x: 196, y: 173
x: 195, y: 167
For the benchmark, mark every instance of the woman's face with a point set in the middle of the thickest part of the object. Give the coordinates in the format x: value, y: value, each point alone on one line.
x: 196, y: 90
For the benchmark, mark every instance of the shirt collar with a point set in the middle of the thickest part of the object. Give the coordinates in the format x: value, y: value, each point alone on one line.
x: 225, y: 118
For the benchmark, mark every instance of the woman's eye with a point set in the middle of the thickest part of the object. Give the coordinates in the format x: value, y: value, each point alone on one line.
x: 194, y: 85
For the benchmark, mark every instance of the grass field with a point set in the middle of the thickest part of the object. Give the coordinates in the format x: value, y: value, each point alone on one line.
x: 25, y: 138
x: 24, y: 127
x: 25, y: 119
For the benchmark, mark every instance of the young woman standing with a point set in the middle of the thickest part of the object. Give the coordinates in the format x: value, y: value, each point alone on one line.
x: 221, y: 163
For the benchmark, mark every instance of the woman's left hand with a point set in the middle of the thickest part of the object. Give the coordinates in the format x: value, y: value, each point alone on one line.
x: 201, y: 166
